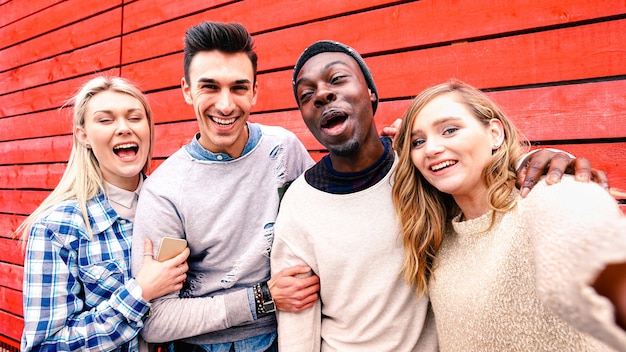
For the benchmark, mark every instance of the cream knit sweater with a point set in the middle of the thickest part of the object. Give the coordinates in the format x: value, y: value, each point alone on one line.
x: 524, y: 285
x: 351, y: 241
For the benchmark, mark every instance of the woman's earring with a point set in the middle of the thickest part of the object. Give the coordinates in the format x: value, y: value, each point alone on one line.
x: 88, y: 146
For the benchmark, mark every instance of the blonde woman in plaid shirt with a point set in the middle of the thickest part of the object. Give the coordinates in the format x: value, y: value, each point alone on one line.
x: 78, y: 292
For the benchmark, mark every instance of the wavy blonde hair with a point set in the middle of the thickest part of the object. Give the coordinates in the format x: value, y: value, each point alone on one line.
x: 82, y: 178
x: 423, y: 211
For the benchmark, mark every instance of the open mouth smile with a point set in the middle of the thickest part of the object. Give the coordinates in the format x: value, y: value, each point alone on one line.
x: 442, y: 165
x: 126, y: 150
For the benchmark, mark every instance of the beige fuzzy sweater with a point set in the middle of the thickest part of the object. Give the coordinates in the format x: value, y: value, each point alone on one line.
x: 525, y: 284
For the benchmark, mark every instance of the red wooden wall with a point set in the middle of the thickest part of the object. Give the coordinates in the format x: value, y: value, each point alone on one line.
x: 557, y: 66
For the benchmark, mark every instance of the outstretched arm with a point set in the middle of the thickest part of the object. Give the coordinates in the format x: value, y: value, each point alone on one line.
x: 577, y: 231
x: 611, y: 283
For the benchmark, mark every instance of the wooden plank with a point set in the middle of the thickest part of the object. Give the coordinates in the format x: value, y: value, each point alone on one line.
x: 284, y: 46
x: 256, y: 15
x: 141, y: 14
x: 9, y: 223
x: 97, y: 57
x: 20, y: 202
x: 169, y: 105
x: 11, y: 301
x: 11, y: 251
x: 12, y: 325
x: 57, y: 122
x: 392, y: 28
x: 46, y: 97
x: 170, y: 70
x: 53, y: 17
x: 578, y: 53
x: 49, y: 149
x: 576, y: 111
x: 11, y: 276
x: 37, y: 176
x: 16, y: 10
x: 95, y: 29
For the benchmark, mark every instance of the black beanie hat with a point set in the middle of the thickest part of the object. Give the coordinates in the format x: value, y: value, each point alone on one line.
x: 325, y: 46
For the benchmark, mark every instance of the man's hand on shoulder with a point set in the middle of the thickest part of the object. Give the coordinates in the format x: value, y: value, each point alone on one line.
x: 554, y: 164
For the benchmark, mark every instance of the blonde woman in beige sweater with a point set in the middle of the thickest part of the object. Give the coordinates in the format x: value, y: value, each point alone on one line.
x: 503, y: 273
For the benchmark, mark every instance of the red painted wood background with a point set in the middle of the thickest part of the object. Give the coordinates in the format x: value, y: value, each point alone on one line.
x: 557, y: 66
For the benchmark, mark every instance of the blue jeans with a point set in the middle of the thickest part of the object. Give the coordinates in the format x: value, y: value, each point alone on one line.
x: 178, y: 346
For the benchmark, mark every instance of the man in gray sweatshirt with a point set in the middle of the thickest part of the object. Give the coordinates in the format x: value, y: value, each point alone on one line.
x: 220, y: 192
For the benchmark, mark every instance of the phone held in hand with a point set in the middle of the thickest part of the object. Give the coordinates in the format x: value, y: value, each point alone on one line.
x: 170, y: 247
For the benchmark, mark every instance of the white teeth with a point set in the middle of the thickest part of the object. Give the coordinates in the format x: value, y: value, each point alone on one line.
x: 223, y: 121
x: 442, y: 165
x: 127, y: 145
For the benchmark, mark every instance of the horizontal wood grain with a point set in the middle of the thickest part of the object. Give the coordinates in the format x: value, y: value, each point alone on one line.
x: 92, y: 30
x: 577, y: 53
x: 13, y: 11
x: 20, y: 202
x: 11, y: 301
x: 98, y: 57
x: 11, y: 276
x: 33, y: 176
x: 39, y: 124
x: 12, y: 326
x: 11, y: 251
x: 256, y: 15
x: 47, y: 149
x: 51, y: 18
x: 141, y: 14
x: 46, y: 97
x: 8, y: 224
x: 280, y: 48
x: 427, y: 23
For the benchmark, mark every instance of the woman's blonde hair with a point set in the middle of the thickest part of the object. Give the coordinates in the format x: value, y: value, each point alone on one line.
x: 82, y: 179
x: 423, y: 211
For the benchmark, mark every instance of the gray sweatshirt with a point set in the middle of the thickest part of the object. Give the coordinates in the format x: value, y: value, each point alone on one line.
x: 226, y: 212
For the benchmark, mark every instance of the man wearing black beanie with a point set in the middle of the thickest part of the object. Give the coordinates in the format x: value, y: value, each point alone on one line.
x: 339, y: 219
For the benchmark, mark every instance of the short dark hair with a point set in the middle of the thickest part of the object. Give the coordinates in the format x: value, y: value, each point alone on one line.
x: 225, y: 37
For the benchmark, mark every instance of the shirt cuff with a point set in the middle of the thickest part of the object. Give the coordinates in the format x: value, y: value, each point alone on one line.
x: 129, y: 302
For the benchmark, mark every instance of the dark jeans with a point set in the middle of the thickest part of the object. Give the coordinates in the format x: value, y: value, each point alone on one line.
x: 186, y: 347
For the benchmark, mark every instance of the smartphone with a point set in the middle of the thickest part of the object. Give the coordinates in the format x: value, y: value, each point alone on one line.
x: 170, y: 247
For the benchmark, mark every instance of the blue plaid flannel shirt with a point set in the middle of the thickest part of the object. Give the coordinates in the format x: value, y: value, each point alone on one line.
x: 78, y: 292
